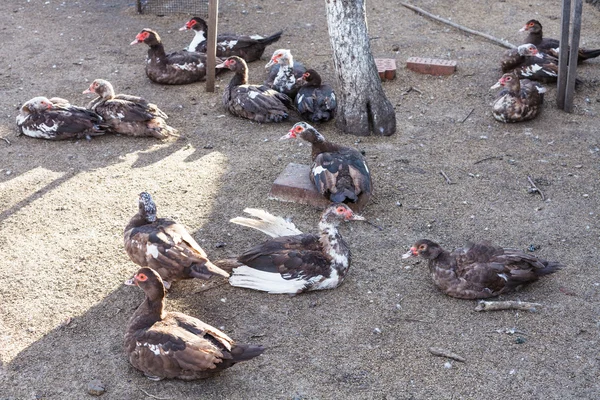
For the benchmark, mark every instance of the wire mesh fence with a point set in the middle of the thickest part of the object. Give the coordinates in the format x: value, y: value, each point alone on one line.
x: 162, y: 7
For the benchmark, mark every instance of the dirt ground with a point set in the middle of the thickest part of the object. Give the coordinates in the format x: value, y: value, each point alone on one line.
x: 64, y: 309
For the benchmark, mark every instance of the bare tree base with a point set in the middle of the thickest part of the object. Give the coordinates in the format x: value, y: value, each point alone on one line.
x: 506, y: 305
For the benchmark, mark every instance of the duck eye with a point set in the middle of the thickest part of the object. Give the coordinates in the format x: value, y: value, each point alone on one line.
x: 422, y: 247
x: 340, y: 210
x: 141, y: 277
x: 508, y: 78
x: 298, y: 129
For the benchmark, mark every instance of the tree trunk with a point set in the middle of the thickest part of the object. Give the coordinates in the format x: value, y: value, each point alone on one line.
x: 362, y: 105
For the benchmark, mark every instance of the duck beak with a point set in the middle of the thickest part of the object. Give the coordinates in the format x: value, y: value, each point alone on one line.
x: 184, y: 28
x: 88, y: 90
x: 222, y: 65
x: 524, y: 29
x: 496, y: 86
x: 131, y: 282
x: 290, y: 135
x: 270, y: 63
x: 135, y: 42
x: 411, y: 253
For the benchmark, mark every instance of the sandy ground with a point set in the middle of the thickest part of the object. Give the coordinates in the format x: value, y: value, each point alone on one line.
x: 63, y: 308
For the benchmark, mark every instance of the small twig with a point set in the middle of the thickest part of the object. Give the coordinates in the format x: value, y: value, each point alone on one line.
x: 534, y: 188
x: 153, y: 396
x: 7, y: 141
x: 437, y: 351
x: 506, y: 305
x: 448, y: 181
x: 468, y: 115
x: 488, y: 158
x: 501, y: 42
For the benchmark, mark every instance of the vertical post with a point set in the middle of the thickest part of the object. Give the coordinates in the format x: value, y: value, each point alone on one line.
x: 573, y: 53
x: 139, y: 6
x: 211, y: 44
x: 563, y: 54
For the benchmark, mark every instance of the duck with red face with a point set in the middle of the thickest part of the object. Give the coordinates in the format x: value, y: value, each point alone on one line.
x: 177, y: 68
x: 520, y: 100
x: 250, y: 48
x: 172, y: 345
x: 480, y: 270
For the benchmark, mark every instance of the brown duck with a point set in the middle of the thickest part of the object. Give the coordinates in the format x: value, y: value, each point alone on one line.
x: 339, y: 173
x: 481, y: 270
x: 128, y: 115
x: 255, y: 102
x: 165, y: 246
x: 520, y: 100
x: 174, y: 345
x: 177, y: 68
x: 549, y: 45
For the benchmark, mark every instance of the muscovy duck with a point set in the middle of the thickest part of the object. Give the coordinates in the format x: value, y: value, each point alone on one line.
x: 520, y: 100
x: 57, y: 119
x: 283, y: 72
x: 177, y: 68
x: 128, y: 115
x: 250, y: 48
x: 165, y: 246
x: 339, y: 173
x: 549, y: 45
x: 293, y: 262
x: 255, y: 102
x: 171, y: 345
x: 481, y: 270
x: 314, y: 100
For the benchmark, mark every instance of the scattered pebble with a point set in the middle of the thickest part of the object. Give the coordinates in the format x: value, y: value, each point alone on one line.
x: 448, y: 365
x: 223, y: 300
x: 533, y: 247
x: 96, y: 387
x: 220, y: 245
x: 377, y: 331
x: 520, y: 340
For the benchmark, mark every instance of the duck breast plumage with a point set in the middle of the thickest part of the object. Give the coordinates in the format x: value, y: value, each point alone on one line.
x: 171, y: 345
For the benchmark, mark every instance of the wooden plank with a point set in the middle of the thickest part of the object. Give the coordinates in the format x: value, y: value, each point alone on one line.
x: 563, y: 55
x: 573, y: 52
x: 211, y: 44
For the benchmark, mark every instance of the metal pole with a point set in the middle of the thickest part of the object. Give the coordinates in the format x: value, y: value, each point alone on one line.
x: 563, y: 55
x: 573, y: 52
x: 211, y: 44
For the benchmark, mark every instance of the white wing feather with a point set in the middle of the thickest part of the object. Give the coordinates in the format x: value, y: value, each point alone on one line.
x: 267, y: 223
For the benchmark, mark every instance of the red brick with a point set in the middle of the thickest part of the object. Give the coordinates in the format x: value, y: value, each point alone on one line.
x: 294, y: 185
x: 386, y: 68
x: 431, y: 66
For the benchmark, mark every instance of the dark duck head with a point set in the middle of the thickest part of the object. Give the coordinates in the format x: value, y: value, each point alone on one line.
x: 424, y: 248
